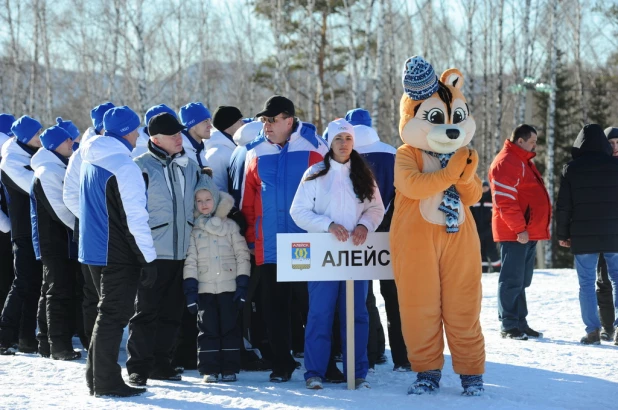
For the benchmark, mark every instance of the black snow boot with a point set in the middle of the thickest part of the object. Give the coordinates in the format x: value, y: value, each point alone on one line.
x: 67, y: 355
x: 514, y: 334
x: 592, y: 338
x: 426, y: 382
x: 121, y: 391
x: 30, y: 346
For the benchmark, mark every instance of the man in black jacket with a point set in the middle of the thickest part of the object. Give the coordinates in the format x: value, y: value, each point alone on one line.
x: 115, y: 241
x: 605, y: 297
x: 586, y: 220
x: 20, y: 308
x: 481, y: 211
x: 52, y: 229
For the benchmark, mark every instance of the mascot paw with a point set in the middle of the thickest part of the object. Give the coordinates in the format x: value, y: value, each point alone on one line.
x: 471, y: 165
x: 457, y: 164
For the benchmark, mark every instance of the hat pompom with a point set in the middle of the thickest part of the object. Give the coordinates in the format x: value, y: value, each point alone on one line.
x: 419, y: 79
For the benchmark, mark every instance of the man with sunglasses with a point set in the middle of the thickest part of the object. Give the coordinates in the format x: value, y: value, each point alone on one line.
x: 274, y: 166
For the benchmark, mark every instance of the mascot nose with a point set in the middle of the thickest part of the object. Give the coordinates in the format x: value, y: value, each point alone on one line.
x: 452, y: 134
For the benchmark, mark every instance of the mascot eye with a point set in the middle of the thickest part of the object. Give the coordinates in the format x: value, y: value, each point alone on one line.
x: 434, y: 116
x: 459, y: 115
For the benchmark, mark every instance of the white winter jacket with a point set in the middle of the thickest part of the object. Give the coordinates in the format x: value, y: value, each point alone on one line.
x: 50, y: 170
x: 218, y: 153
x: 5, y: 222
x: 70, y: 190
x: 218, y: 253
x: 331, y: 198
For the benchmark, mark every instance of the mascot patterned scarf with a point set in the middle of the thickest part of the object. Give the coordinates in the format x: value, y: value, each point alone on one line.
x: 450, y: 202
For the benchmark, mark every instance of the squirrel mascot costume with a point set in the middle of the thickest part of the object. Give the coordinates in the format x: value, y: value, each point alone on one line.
x: 434, y: 242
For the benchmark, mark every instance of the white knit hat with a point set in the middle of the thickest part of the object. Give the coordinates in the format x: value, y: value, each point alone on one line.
x: 339, y: 126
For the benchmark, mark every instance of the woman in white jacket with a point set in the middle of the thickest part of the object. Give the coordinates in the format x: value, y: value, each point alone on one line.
x: 340, y: 196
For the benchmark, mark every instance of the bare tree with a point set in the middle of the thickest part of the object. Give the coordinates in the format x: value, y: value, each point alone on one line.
x: 362, y: 99
x: 551, y: 115
x: 500, y: 78
x: 35, y: 59
x: 577, y: 30
x: 354, y: 90
x: 470, y: 9
x: 46, y: 51
x: 526, y: 69
x: 377, y: 75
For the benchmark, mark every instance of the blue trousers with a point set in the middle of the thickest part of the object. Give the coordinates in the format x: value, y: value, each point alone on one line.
x: 586, y: 265
x: 324, y: 298
x: 515, y: 277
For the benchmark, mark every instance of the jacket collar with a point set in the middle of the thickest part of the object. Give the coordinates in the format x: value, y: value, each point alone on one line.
x: 515, y: 149
x: 29, y: 150
x: 197, y: 146
x: 338, y: 167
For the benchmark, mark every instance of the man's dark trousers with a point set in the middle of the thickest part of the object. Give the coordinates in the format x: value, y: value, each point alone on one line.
x: 59, y: 297
x: 7, y: 273
x: 605, y: 295
x: 117, y: 290
x: 515, y: 277
x: 153, y: 330
x: 21, y: 305
x: 276, y: 301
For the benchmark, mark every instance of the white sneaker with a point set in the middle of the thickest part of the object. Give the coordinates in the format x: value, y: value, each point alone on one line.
x: 211, y: 378
x: 314, y: 383
x: 362, y: 384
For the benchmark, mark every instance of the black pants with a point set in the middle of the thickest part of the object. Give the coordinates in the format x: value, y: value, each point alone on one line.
x: 60, y: 281
x: 300, y: 310
x: 605, y: 295
x: 185, y: 350
x: 219, y: 338
x: 377, y: 340
x: 21, y: 305
x: 395, y: 335
x: 90, y: 300
x: 276, y: 300
x: 252, y: 323
x: 7, y: 273
x: 153, y: 329
x: 117, y: 290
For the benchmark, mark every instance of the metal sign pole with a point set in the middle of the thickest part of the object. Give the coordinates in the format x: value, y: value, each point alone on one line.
x: 349, y: 321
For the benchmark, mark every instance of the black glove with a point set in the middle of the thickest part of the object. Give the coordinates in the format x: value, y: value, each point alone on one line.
x: 149, y: 275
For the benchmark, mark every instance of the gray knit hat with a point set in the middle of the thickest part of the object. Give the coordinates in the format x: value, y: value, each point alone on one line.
x: 207, y: 184
x: 419, y: 79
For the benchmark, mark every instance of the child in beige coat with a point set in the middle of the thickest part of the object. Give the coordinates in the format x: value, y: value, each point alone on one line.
x: 216, y: 277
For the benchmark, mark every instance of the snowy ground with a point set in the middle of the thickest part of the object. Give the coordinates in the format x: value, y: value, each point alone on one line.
x: 552, y: 373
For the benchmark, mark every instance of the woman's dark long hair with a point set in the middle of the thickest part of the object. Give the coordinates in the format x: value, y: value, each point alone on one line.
x: 360, y: 175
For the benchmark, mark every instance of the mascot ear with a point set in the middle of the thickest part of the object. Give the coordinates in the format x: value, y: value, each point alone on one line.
x: 453, y: 77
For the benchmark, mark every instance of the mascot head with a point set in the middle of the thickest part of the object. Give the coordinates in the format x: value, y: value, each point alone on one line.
x: 434, y: 113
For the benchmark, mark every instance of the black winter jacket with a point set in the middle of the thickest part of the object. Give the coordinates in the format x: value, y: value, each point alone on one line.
x: 481, y: 211
x: 588, y: 196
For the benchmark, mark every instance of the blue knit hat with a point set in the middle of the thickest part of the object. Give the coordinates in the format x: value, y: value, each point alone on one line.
x: 419, y: 79
x: 25, y: 128
x: 6, y: 121
x: 358, y: 116
x: 97, y: 114
x: 157, y: 109
x: 193, y: 113
x: 120, y: 121
x: 68, y: 127
x: 54, y: 136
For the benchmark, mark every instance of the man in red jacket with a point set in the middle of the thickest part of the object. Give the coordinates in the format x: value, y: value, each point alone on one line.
x: 521, y: 217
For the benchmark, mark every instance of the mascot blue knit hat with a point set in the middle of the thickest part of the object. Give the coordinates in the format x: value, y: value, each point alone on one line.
x: 419, y: 79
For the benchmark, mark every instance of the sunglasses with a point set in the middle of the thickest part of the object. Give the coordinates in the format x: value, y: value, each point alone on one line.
x: 272, y: 120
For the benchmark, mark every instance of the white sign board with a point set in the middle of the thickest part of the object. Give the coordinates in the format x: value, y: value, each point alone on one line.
x: 320, y: 256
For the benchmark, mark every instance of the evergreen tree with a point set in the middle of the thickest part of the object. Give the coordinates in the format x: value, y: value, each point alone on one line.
x: 598, y: 112
x: 567, y: 126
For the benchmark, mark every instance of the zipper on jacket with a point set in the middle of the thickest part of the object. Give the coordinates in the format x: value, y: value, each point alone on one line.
x: 174, y: 206
x: 257, y: 227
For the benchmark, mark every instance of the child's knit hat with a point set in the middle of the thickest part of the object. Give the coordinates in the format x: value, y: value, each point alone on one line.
x: 206, y: 183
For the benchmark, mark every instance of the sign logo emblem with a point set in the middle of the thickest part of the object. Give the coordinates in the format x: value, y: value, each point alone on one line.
x: 301, y: 255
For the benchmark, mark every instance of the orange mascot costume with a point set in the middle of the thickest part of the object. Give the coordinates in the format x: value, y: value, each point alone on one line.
x: 434, y: 242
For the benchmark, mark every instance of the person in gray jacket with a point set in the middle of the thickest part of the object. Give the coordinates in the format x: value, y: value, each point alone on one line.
x: 170, y: 179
